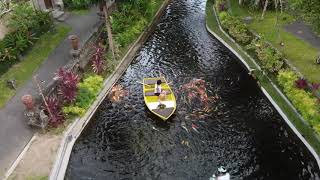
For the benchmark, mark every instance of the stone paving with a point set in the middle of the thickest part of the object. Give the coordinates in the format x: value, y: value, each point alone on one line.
x: 14, y: 131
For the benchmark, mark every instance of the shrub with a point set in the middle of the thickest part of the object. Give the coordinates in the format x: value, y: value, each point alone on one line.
x: 222, y: 16
x: 79, y: 4
x: 235, y: 28
x: 27, y: 25
x: 221, y: 5
x: 301, y: 83
x: 67, y: 84
x: 131, y: 18
x: 26, y: 19
x: 240, y: 33
x: 74, y: 110
x: 302, y: 100
x: 88, y: 89
x: 269, y: 57
x: 98, y: 60
x: 54, y: 110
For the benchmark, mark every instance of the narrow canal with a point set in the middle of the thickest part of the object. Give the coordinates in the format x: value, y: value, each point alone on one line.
x: 238, y: 128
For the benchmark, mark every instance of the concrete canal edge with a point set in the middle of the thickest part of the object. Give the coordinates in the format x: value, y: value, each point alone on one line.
x: 265, y: 92
x: 74, y: 130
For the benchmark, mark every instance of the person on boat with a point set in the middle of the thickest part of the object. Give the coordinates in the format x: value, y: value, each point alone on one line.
x: 159, y: 92
x: 158, y: 89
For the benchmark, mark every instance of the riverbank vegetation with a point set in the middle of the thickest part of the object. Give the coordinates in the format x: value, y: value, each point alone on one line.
x: 76, y: 92
x: 264, y: 79
x: 23, y: 70
x: 32, y: 37
x: 299, y: 52
x: 131, y: 18
x: 273, y: 61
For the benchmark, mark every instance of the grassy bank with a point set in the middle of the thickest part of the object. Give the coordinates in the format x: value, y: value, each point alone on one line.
x: 303, y: 128
x: 300, y: 53
x: 23, y: 70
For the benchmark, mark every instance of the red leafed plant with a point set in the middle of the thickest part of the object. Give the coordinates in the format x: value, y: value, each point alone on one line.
x: 301, y: 84
x: 54, y: 110
x: 98, y: 61
x: 67, y: 84
x: 315, y: 86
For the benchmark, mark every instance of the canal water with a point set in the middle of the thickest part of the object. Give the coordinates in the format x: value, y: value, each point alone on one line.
x: 237, y: 127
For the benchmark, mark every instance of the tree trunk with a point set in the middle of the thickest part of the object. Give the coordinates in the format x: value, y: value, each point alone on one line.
x: 240, y: 2
x: 264, y: 8
x: 281, y: 6
x: 108, y: 26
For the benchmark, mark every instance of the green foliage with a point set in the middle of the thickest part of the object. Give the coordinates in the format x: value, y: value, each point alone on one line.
x: 79, y: 4
x: 87, y: 92
x: 237, y: 29
x: 74, y: 110
x: 302, y: 100
x: 131, y: 33
x: 221, y: 5
x: 27, y: 25
x: 26, y: 19
x: 131, y: 18
x: 309, y: 10
x: 269, y: 57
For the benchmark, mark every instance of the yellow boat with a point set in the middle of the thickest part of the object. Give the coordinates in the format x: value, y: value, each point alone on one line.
x: 168, y: 106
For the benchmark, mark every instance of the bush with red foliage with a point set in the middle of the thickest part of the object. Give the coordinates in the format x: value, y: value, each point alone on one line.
x: 97, y: 60
x: 67, y: 84
x: 54, y: 110
x: 315, y: 86
x: 301, y: 83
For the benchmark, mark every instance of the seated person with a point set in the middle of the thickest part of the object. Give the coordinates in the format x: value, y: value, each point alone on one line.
x: 158, y: 89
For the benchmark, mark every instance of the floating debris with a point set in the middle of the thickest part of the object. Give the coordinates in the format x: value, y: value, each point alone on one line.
x: 185, y: 142
x: 195, y: 127
x: 184, y: 126
x: 155, y: 128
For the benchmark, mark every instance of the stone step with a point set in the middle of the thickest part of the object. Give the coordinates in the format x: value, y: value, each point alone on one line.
x: 63, y: 17
x: 57, y: 14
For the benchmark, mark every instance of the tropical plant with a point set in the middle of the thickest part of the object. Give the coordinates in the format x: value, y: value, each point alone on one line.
x: 307, y: 10
x: 74, y: 110
x: 54, y: 110
x: 67, y: 84
x: 98, y: 61
x: 270, y: 58
x: 235, y: 28
x: 79, y: 4
x: 88, y: 89
x: 315, y: 86
x: 302, y: 100
x: 301, y: 83
x: 221, y: 5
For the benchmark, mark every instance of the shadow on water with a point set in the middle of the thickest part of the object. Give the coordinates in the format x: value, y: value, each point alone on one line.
x: 237, y: 128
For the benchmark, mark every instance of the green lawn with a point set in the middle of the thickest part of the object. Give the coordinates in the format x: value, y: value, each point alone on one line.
x: 300, y: 53
x: 303, y: 128
x: 23, y: 70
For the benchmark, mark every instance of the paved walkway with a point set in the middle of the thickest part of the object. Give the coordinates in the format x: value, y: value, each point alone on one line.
x: 304, y: 32
x: 14, y: 131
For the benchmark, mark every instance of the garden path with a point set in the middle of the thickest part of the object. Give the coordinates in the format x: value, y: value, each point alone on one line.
x: 14, y: 131
x: 304, y: 32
